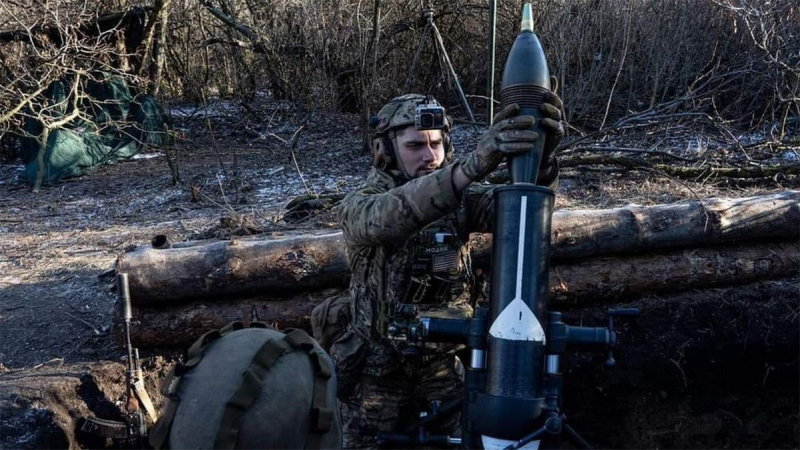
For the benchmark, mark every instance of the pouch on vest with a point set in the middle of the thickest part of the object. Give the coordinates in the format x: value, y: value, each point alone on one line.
x: 329, y: 320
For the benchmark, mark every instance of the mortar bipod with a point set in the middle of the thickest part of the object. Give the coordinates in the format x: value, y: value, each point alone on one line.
x: 472, y: 332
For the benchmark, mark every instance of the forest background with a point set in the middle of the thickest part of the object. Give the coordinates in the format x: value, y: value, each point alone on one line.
x: 725, y: 66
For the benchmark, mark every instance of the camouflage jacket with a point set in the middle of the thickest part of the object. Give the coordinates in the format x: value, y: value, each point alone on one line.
x: 408, y: 244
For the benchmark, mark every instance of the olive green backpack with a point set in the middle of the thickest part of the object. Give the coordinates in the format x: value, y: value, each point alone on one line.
x: 251, y: 388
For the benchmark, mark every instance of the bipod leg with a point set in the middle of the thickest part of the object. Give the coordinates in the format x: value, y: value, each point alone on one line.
x: 422, y: 40
x: 415, y: 434
x: 452, y: 71
x: 576, y: 438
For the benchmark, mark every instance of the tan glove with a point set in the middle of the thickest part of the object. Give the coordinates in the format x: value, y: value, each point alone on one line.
x: 553, y: 125
x: 511, y: 136
x: 508, y: 136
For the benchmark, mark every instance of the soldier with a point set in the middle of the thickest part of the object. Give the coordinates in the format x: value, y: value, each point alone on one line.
x: 407, y: 230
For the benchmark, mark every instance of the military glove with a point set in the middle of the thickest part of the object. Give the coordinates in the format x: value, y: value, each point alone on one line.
x: 553, y: 126
x: 508, y: 136
x: 511, y: 136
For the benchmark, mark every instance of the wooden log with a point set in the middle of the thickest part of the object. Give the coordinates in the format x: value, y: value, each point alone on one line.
x: 180, y: 325
x: 689, y: 173
x: 222, y: 269
x: 596, y: 280
x: 235, y: 268
x: 641, y: 229
x: 613, y: 278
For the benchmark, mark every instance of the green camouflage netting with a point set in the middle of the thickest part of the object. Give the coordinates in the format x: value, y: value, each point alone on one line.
x: 121, y: 125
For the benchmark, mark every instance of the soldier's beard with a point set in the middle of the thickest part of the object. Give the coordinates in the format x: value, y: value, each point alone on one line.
x: 426, y: 170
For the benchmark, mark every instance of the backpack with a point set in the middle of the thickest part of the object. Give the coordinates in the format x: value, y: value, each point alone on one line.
x: 251, y: 388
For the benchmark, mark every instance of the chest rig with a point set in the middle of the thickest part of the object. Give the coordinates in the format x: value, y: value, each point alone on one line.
x: 437, y: 272
x: 430, y: 274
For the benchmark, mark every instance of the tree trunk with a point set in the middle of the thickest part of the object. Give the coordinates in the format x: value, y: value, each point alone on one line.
x: 159, y: 57
x: 192, y: 271
x: 596, y: 280
x: 612, y: 278
x: 639, y: 229
x: 688, y: 173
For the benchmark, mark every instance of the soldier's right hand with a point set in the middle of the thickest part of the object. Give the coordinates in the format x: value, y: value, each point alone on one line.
x: 509, y: 135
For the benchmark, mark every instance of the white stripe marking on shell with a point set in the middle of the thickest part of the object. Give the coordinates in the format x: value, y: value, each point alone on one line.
x: 517, y: 322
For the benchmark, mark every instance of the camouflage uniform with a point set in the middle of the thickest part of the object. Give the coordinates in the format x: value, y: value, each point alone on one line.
x: 407, y: 243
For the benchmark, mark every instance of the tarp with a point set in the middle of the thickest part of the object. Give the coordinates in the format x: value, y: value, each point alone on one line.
x: 117, y: 124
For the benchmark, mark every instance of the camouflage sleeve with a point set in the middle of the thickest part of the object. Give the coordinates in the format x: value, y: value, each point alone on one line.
x: 372, y: 216
x: 479, y: 201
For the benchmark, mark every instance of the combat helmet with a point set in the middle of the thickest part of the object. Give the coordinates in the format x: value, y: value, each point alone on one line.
x: 399, y: 113
x: 251, y: 388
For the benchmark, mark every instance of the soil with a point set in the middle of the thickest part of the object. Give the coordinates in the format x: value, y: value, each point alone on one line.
x: 711, y: 369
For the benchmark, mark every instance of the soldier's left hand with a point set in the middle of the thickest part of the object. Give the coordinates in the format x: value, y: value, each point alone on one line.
x: 552, y: 122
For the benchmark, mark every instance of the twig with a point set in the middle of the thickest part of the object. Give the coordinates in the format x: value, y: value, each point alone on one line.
x: 766, y: 374
x: 206, y: 197
x: 685, y: 383
x: 45, y: 363
x: 222, y: 190
x: 96, y: 332
x: 732, y: 415
x: 295, y: 138
x: 676, y: 180
x: 276, y: 137
x: 619, y: 72
x: 211, y: 132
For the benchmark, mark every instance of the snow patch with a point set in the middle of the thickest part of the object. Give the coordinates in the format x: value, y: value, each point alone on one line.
x: 147, y: 155
x: 219, y: 108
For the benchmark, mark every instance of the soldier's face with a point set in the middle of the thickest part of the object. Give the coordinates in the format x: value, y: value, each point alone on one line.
x: 421, y: 151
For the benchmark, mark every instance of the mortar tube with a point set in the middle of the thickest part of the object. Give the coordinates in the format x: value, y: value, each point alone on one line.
x: 513, y: 397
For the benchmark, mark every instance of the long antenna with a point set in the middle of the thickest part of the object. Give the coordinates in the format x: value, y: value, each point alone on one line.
x: 124, y: 295
x: 491, y: 62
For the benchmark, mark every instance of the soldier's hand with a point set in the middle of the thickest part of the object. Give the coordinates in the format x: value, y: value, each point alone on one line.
x: 553, y: 124
x: 508, y: 136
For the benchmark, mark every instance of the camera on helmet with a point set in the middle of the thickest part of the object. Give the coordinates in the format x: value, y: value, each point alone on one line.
x: 429, y: 116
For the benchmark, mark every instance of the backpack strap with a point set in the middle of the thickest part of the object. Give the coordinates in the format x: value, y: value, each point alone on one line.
x: 169, y: 388
x: 326, y: 309
x: 248, y: 391
x: 322, y: 417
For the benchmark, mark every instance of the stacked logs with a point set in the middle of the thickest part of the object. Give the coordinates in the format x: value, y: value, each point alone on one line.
x: 597, y: 255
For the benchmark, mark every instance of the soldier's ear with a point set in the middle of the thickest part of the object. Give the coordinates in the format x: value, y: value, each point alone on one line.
x: 377, y: 154
x: 381, y: 154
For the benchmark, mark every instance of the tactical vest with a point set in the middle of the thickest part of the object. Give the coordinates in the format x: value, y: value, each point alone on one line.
x: 431, y: 273
x: 437, y: 273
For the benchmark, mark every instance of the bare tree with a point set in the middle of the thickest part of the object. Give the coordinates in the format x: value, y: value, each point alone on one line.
x: 51, y: 57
